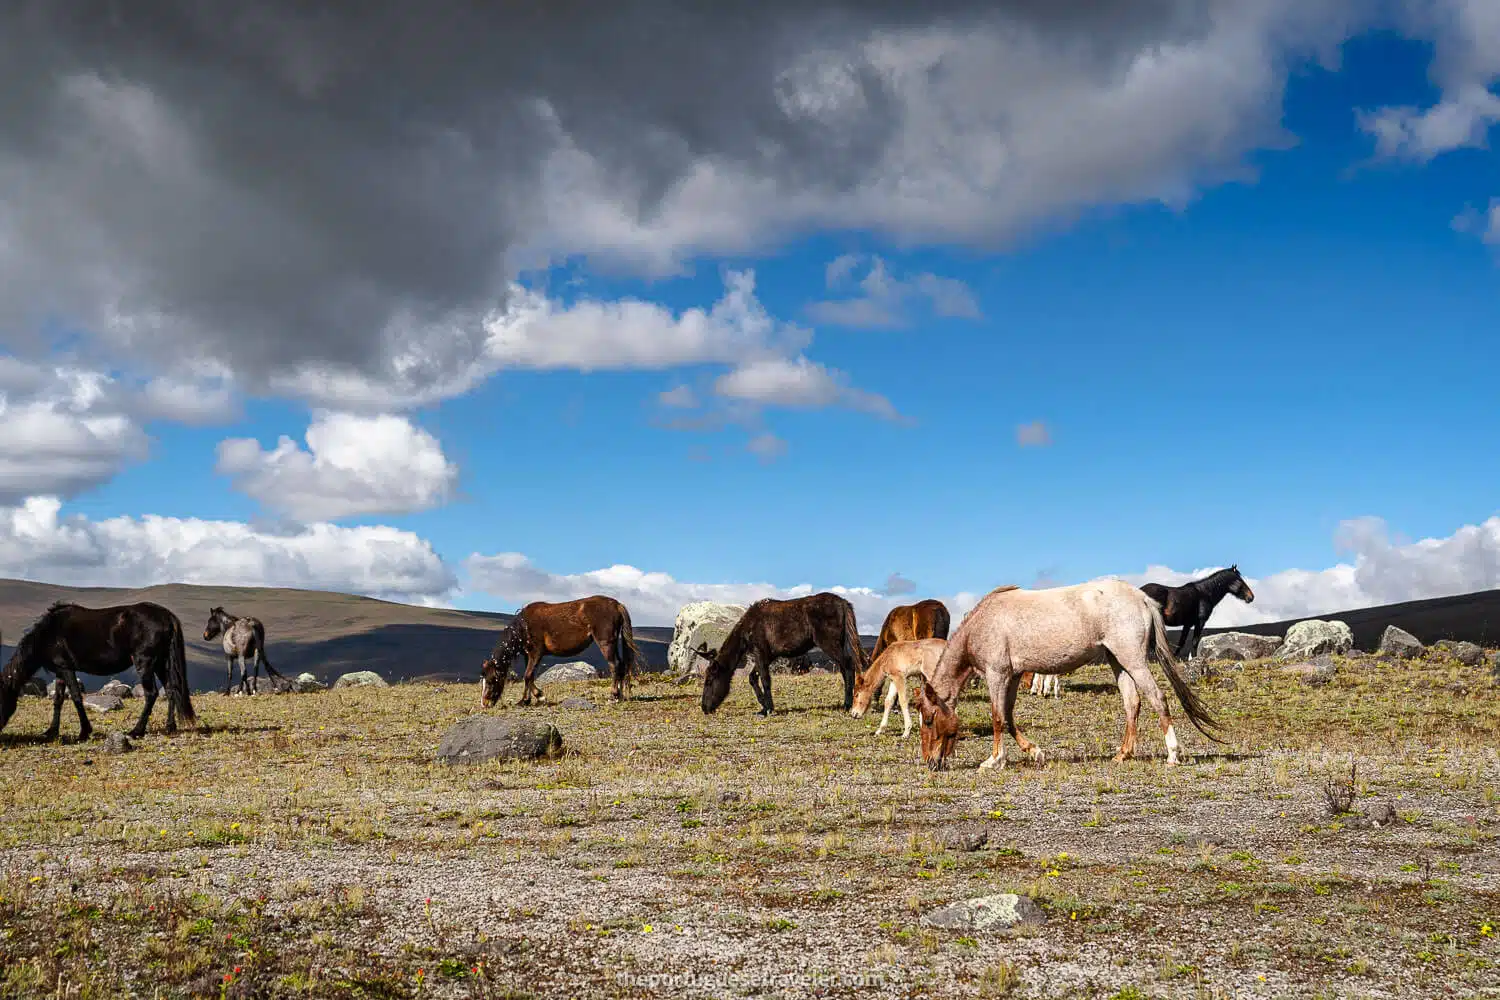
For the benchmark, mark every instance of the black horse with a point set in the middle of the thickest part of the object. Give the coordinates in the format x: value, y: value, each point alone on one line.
x: 1188, y: 606
x: 68, y: 638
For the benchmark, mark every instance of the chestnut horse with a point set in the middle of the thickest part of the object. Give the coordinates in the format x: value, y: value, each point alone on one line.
x: 541, y: 629
x: 770, y: 629
x: 924, y: 620
x: 900, y: 661
x: 1054, y: 632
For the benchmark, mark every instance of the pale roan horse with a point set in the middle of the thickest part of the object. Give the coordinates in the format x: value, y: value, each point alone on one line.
x: 896, y: 664
x: 243, y: 637
x: 1054, y: 631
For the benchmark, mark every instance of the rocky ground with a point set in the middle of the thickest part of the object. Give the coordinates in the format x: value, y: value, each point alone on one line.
x: 310, y: 846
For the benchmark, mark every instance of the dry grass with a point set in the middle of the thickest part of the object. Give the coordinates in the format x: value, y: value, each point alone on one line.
x: 307, y: 846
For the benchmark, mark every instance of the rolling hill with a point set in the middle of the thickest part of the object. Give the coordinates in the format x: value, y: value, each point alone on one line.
x: 327, y: 634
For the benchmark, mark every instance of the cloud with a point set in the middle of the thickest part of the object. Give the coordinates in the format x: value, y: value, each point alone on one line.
x: 682, y: 398
x: 38, y: 543
x: 334, y: 203
x: 767, y: 447
x: 1378, y: 571
x: 1485, y: 225
x: 1033, y: 435
x: 655, y: 598
x: 62, y: 430
x: 896, y: 585
x: 801, y: 384
x: 885, y: 299
x: 352, y: 465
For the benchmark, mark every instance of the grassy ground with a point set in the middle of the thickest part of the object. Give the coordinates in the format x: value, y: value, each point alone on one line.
x: 307, y: 846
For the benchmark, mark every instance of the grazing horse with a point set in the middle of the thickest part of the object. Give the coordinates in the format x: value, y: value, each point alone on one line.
x: 68, y: 638
x: 541, y: 629
x: 242, y: 637
x: 1188, y: 606
x: 1053, y: 631
x: 924, y: 620
x: 770, y: 629
x: 900, y: 660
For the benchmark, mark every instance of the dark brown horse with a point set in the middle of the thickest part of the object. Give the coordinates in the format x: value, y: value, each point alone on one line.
x: 1189, y: 606
x: 924, y: 620
x: 771, y: 629
x: 542, y: 629
x: 68, y: 638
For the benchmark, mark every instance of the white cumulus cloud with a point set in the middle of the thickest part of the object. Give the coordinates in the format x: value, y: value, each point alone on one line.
x: 885, y: 300
x: 352, y: 465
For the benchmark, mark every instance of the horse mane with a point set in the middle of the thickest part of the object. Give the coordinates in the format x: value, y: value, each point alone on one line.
x: 732, y: 653
x: 14, y: 673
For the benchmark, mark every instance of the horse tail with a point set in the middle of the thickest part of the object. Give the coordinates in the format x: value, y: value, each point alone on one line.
x: 853, y: 648
x: 260, y: 647
x: 176, y: 681
x: 941, y: 621
x: 627, y: 653
x: 1197, y: 713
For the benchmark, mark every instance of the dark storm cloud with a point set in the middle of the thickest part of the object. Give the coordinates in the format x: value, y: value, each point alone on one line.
x: 278, y: 185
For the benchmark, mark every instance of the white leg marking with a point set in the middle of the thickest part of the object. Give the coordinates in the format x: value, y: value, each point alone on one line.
x: 994, y: 760
x: 1171, y: 744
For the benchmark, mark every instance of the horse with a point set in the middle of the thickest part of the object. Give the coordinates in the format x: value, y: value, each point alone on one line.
x: 924, y: 620
x: 1042, y: 683
x: 68, y: 638
x: 242, y: 637
x: 1188, y: 606
x: 900, y: 660
x: 1054, y: 631
x: 770, y: 629
x: 541, y: 629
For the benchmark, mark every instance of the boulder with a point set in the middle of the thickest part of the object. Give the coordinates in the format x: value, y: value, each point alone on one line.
x: 360, y: 678
x: 1470, y: 654
x: 561, y: 673
x: 1400, y: 644
x: 305, y: 683
x: 103, y: 702
x: 1314, y: 637
x: 1316, y: 672
x: 1238, y: 646
x: 117, y: 688
x: 486, y: 737
x: 986, y: 913
x: 705, y: 622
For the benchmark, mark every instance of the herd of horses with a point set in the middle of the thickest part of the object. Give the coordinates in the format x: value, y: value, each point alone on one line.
x: 1011, y: 637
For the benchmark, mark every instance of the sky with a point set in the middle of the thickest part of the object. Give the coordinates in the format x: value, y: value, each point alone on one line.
x: 473, y: 307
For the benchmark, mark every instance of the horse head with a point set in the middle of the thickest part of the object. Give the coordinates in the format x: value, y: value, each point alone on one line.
x: 1239, y: 588
x: 215, y: 626
x: 496, y: 666
x: 939, y: 727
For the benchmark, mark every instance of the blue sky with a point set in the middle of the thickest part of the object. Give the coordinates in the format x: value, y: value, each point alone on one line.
x: 1228, y: 377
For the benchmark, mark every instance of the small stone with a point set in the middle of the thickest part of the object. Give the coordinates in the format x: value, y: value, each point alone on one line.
x: 361, y: 678
x: 729, y: 796
x: 103, y: 702
x: 1383, y: 814
x: 1400, y: 644
x: 986, y: 913
x: 965, y: 839
x: 139, y: 691
x: 117, y: 743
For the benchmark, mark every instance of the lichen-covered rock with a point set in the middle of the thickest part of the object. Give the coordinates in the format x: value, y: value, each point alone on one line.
x: 103, y: 702
x: 561, y: 673
x: 117, y: 743
x: 986, y: 913
x: 486, y: 737
x: 306, y: 683
x: 1470, y: 654
x: 117, y: 688
x: 1238, y: 646
x: 139, y: 691
x: 361, y: 678
x: 1399, y: 643
x: 700, y: 623
x: 1315, y: 637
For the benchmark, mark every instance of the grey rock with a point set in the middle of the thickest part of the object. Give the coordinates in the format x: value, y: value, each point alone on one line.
x: 1495, y: 665
x: 103, y: 702
x: 965, y: 839
x: 117, y: 743
x: 562, y: 673
x: 1315, y: 672
x: 1470, y: 654
x: 306, y: 683
x: 1238, y: 646
x: 986, y: 913
x: 1399, y: 643
x: 484, y: 737
x: 706, y: 622
x: 582, y: 704
x: 361, y: 678
x: 1313, y: 637
x: 139, y: 691
x: 117, y: 688
x: 1384, y: 814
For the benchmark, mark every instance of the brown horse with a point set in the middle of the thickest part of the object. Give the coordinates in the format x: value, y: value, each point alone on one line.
x: 542, y: 629
x: 1053, y: 632
x: 770, y: 629
x: 924, y: 620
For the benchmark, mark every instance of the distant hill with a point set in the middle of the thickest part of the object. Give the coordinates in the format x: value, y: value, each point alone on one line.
x: 327, y: 634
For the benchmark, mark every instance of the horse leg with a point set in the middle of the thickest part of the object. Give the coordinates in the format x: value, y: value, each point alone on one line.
x: 85, y: 727
x: 890, y: 700
x: 1027, y: 747
x: 763, y: 667
x: 59, y: 686
x: 148, y: 684
x: 606, y: 649
x: 905, y: 709
x: 228, y: 673
x: 1130, y: 698
x: 1135, y: 665
x: 999, y: 684
x: 531, y: 690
